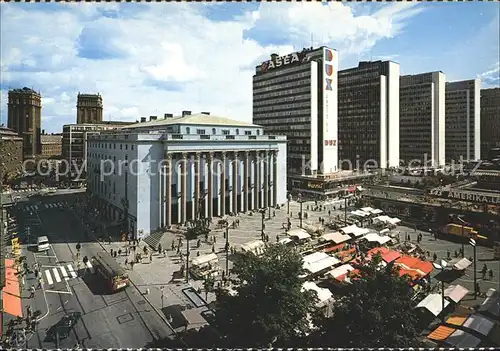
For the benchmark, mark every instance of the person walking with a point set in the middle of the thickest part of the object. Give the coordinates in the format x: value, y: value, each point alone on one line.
x: 32, y: 292
x: 490, y: 273
x: 159, y: 248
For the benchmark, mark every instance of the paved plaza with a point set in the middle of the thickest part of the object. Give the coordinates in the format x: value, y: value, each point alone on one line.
x: 156, y: 278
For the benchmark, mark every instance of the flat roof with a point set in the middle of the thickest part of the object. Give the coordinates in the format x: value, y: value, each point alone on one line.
x: 195, y: 119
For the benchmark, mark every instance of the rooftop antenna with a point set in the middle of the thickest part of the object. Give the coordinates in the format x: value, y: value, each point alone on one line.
x: 312, y: 39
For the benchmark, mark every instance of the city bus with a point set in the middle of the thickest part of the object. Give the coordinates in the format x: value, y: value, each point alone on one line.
x: 110, y: 271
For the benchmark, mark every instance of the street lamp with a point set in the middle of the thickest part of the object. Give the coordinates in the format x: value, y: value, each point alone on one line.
x: 345, y: 208
x: 472, y: 242
x: 263, y: 214
x: 463, y: 244
x: 441, y: 266
x: 289, y: 198
x: 227, y: 248
x: 300, y: 213
x: 196, y: 227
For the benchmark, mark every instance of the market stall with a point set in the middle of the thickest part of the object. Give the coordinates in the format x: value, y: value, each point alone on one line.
x: 317, y: 262
x: 455, y: 293
x: 255, y: 247
x: 354, y: 230
x: 299, y: 235
x: 335, y: 237
x: 204, y: 266
x: 376, y: 238
x: 433, y: 303
x: 325, y: 297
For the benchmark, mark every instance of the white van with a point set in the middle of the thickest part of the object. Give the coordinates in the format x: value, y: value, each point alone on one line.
x: 43, y: 243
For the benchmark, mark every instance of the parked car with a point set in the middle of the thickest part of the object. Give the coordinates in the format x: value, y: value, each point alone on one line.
x: 62, y: 328
x: 43, y: 243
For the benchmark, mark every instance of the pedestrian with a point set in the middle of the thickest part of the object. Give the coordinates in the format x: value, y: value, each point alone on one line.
x: 277, y: 238
x: 478, y: 289
x: 32, y: 292
x: 111, y: 253
x: 119, y: 252
x: 109, y: 239
x: 164, y: 252
x: 131, y: 265
x: 173, y: 245
x: 150, y: 257
x: 213, y: 248
x: 159, y: 248
x: 490, y: 273
x: 198, y: 253
x: 434, y: 257
x: 116, y: 253
x: 448, y: 254
x: 126, y: 262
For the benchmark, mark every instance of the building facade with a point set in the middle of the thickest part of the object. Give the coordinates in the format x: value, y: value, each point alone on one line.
x: 296, y: 95
x: 11, y: 154
x: 154, y: 174
x: 462, y: 122
x: 368, y: 111
x: 74, y: 141
x: 51, y: 145
x: 89, y: 108
x: 24, y: 117
x: 422, y: 119
x: 490, y: 121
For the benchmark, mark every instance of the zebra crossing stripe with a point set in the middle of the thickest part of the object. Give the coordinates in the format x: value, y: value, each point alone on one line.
x: 71, y: 271
x: 46, y: 206
x: 64, y: 273
x: 56, y: 274
x: 49, y: 278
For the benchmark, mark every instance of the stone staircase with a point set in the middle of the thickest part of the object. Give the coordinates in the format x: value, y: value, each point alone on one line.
x: 154, y: 239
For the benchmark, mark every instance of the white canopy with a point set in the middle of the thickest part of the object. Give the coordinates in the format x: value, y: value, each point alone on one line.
x: 377, y: 211
x: 367, y: 209
x: 319, y: 261
x: 461, y: 339
x: 255, y: 246
x: 336, y: 237
x: 480, y: 324
x: 462, y: 264
x: 433, y: 303
x: 299, y: 233
x: 374, y: 237
x: 387, y: 220
x: 324, y: 294
x: 394, y: 220
x: 201, y: 260
x: 340, y: 271
x: 455, y: 293
x: 360, y: 213
x: 355, y: 230
x: 285, y: 241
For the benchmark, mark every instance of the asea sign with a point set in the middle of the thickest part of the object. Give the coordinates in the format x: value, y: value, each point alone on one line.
x: 281, y: 61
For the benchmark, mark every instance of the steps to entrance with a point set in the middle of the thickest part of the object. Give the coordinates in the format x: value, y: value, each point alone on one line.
x: 154, y: 239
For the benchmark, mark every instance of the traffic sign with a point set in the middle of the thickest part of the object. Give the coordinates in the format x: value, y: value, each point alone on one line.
x: 78, y: 246
x: 472, y: 242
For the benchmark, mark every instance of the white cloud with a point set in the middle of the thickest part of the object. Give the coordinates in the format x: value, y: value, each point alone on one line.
x: 171, y: 57
x: 492, y: 76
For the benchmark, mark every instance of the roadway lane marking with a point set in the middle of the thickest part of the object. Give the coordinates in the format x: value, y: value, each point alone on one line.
x: 71, y: 271
x: 56, y: 275
x: 64, y: 273
x: 49, y: 278
x: 59, y: 292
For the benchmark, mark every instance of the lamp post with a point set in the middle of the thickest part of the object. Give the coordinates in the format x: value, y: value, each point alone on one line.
x: 345, y: 208
x: 196, y: 227
x: 463, y: 244
x: 227, y: 248
x: 289, y: 198
x: 472, y: 242
x: 441, y: 267
x: 263, y: 213
x: 300, y: 213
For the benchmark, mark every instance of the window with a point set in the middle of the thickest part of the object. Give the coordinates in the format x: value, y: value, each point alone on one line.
x: 121, y: 147
x: 248, y: 132
x: 132, y: 147
x: 237, y: 131
x: 214, y: 131
x: 258, y: 131
x: 126, y: 146
x: 225, y: 132
x: 200, y: 131
x: 188, y: 130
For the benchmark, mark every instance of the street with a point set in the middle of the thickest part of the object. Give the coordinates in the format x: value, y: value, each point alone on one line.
x: 123, y: 319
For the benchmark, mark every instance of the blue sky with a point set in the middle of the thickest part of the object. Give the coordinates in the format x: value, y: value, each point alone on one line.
x: 150, y: 59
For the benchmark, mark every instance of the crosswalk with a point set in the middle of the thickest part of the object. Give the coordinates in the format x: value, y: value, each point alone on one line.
x: 34, y: 208
x: 57, y: 274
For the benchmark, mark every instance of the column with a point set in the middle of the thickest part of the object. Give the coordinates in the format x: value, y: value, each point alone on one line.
x: 275, y: 178
x: 236, y: 205
x: 266, y: 179
x: 244, y: 194
x: 223, y: 185
x: 197, y: 174
x: 256, y: 181
x: 210, y: 184
x: 168, y: 199
x: 183, y: 188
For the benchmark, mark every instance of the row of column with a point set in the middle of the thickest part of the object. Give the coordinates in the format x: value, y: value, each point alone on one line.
x: 265, y: 195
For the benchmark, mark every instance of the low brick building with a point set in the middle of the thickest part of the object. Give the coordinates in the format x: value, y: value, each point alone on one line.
x: 11, y: 153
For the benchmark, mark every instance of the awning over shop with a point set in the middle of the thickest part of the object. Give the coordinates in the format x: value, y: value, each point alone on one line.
x: 480, y: 324
x: 387, y: 254
x: 462, y: 264
x: 433, y: 303
x: 318, y: 261
x: 387, y: 220
x: 441, y: 333
x: 285, y: 241
x: 374, y: 237
x: 455, y: 293
x: 462, y: 339
x: 355, y: 230
x: 324, y: 294
x: 413, y: 264
x: 336, y: 237
x: 360, y: 213
x: 298, y: 233
x: 201, y: 260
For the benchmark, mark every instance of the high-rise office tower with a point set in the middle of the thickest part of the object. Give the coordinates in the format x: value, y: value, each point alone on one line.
x: 462, y: 122
x: 421, y: 119
x: 89, y: 108
x: 368, y: 114
x: 490, y: 121
x: 24, y: 117
x: 296, y: 95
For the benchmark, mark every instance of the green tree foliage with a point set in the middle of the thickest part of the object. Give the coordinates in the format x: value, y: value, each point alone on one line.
x: 376, y: 311
x: 268, y: 305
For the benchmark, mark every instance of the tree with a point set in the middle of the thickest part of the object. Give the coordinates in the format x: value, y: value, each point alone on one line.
x: 376, y: 311
x: 268, y: 305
